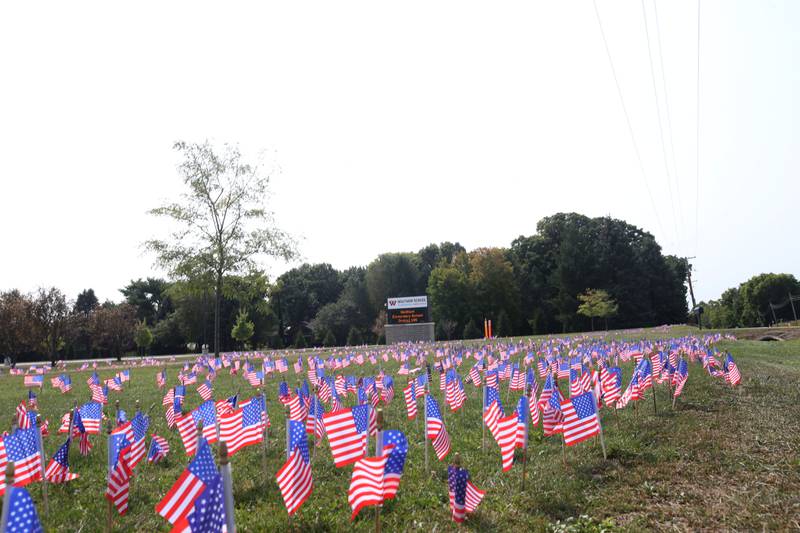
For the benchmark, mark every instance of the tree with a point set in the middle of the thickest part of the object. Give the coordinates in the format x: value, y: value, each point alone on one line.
x: 243, y: 329
x: 503, y: 325
x: 493, y: 285
x: 393, y: 274
x: 596, y: 303
x: 354, y: 337
x: 471, y: 331
x: 448, y: 328
x: 450, y: 295
x: 86, y: 302
x: 113, y: 327
x: 17, y: 325
x: 52, y: 313
x: 329, y: 339
x: 300, y: 340
x: 150, y: 297
x: 143, y: 338
x: 759, y: 291
x: 223, y: 224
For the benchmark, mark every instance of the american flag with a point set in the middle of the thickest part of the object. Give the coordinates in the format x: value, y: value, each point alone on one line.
x: 732, y: 375
x: 366, y: 485
x: 114, y: 384
x: 611, y: 382
x: 517, y: 378
x: 314, y: 421
x: 436, y: 431
x: 21, y: 515
x: 297, y: 408
x: 91, y: 414
x: 574, y: 383
x: 533, y: 409
x: 506, y: 436
x: 475, y: 376
x: 205, y: 416
x: 282, y: 365
x: 409, y: 393
x: 23, y: 420
x: 159, y: 448
x: 22, y: 448
x: 45, y: 428
x: 682, y: 375
x: 492, y: 409
x: 547, y: 390
x: 551, y: 415
x: 464, y: 495
x: 580, y: 418
x: 139, y: 424
x: 196, y: 500
x: 119, y: 469
x: 169, y: 398
x: 99, y: 394
x: 298, y: 365
x: 522, y: 422
x: 58, y: 469
x: 205, y: 390
x: 295, y: 481
x: 347, y: 433
x: 33, y: 380
x: 94, y: 379
x: 586, y: 379
x: 395, y: 463
x: 244, y: 426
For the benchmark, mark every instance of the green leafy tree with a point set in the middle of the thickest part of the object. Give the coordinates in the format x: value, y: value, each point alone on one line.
x: 113, y: 326
x: 393, y: 274
x: 492, y: 282
x: 759, y: 291
x: 143, y: 338
x: 243, y: 329
x: 503, y: 325
x: 300, y: 340
x: 86, y: 302
x: 450, y: 294
x: 18, y: 333
x: 223, y: 226
x: 354, y: 337
x: 52, y: 314
x: 329, y: 340
x: 471, y: 331
x: 150, y: 297
x: 596, y: 303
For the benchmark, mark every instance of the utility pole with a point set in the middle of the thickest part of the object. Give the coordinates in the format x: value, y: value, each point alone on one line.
x: 691, y: 292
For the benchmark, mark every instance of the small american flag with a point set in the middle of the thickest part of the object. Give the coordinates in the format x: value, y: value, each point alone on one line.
x: 33, y: 380
x: 205, y: 390
x: 395, y: 463
x: 464, y: 495
x: 23, y: 420
x: 435, y: 428
x: 196, y: 496
x: 21, y: 515
x: 159, y: 448
x: 366, y: 485
x: 732, y: 375
x: 58, y: 469
x: 243, y: 426
x: 409, y: 393
x: 295, y: 481
x: 580, y: 418
x: 347, y: 434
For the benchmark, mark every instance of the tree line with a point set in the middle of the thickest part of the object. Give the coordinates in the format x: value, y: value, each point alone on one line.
x: 748, y: 305
x: 573, y: 270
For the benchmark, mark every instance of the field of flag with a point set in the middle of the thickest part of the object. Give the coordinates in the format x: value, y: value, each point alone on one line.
x: 649, y: 430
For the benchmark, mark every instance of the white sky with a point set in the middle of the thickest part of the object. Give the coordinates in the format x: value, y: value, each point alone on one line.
x: 396, y: 125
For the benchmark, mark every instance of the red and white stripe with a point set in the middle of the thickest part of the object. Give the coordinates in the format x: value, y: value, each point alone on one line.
x: 295, y: 481
x: 366, y: 485
x: 347, y: 445
x: 506, y: 438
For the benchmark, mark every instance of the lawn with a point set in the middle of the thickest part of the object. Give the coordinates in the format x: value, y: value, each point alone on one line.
x: 722, y: 459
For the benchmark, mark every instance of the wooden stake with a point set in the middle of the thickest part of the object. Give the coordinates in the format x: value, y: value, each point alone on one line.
x: 603, y: 443
x: 227, y: 486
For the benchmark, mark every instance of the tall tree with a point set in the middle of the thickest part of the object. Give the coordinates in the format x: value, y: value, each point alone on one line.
x: 393, y: 274
x: 17, y: 325
x: 86, y: 302
x: 113, y: 326
x: 52, y: 313
x: 150, y: 297
x: 223, y: 223
x: 596, y: 303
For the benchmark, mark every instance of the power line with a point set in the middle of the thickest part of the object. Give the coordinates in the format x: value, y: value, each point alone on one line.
x: 660, y: 125
x: 697, y: 136
x: 628, y: 119
x: 669, y: 119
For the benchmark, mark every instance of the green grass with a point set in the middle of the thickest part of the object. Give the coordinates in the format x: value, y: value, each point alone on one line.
x: 723, y: 459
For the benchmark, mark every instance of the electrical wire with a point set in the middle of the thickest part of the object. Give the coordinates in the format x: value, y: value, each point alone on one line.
x: 660, y: 124
x: 628, y: 119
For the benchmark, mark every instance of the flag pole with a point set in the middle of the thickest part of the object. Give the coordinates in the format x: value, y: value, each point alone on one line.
x: 525, y: 441
x: 109, y: 503
x: 266, y: 438
x: 42, y: 461
x: 227, y: 486
x: 379, y: 453
x: 288, y: 452
x: 9, y: 473
x: 602, y: 440
x: 655, y: 409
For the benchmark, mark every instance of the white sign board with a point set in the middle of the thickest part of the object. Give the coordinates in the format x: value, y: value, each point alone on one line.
x: 408, y: 302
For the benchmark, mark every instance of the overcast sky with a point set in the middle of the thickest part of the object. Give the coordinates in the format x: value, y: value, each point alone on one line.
x: 395, y: 125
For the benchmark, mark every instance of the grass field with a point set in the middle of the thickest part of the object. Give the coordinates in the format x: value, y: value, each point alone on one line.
x: 724, y: 459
